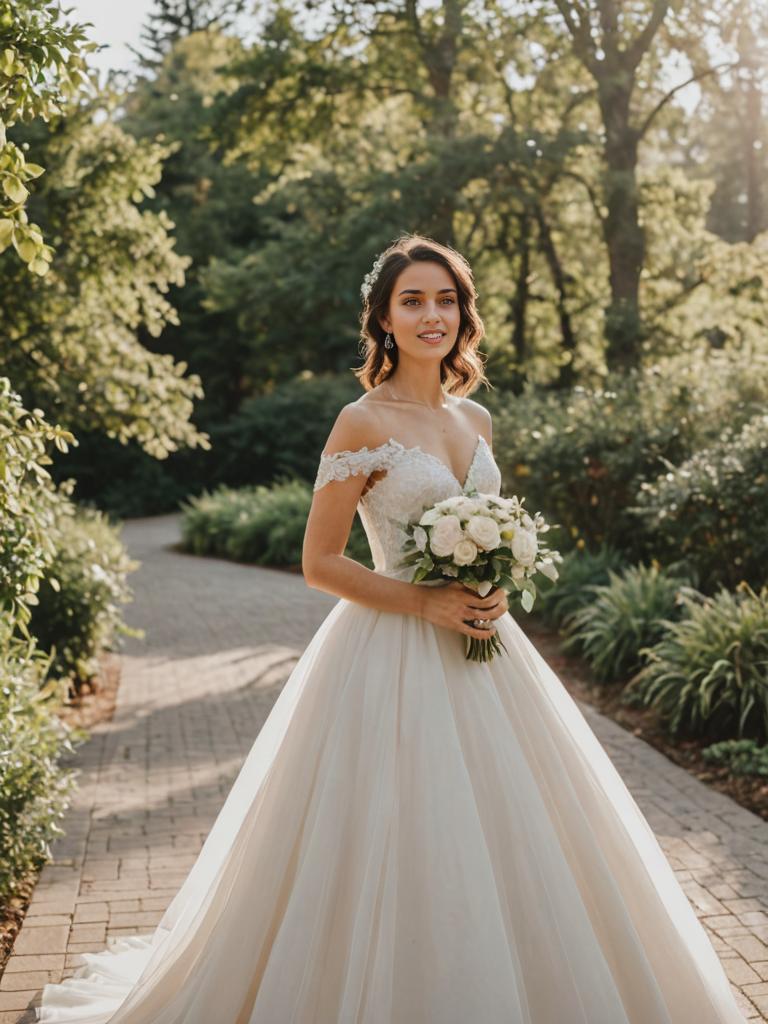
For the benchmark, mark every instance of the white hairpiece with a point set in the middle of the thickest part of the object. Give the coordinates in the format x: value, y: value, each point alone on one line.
x: 373, y: 273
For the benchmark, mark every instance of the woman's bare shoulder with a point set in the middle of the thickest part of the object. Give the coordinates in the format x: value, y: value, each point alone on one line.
x: 358, y: 425
x: 481, y: 417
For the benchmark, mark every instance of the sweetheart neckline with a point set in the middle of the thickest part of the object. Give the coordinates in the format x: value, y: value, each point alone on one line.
x: 439, y: 461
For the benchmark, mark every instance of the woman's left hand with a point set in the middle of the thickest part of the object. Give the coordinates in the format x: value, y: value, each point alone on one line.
x: 492, y: 606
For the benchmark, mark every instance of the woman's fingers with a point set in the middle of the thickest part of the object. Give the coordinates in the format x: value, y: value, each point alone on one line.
x: 480, y: 632
x: 490, y: 609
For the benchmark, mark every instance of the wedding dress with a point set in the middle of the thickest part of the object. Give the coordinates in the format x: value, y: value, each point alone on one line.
x: 415, y: 838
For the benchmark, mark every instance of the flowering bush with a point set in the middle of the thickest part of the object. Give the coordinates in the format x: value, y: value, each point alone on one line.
x: 581, y: 455
x: 710, y: 509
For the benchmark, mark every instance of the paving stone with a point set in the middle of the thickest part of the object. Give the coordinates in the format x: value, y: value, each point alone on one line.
x: 24, y: 981
x: 43, y: 939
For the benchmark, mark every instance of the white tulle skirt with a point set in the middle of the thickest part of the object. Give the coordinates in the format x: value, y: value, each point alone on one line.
x: 415, y: 838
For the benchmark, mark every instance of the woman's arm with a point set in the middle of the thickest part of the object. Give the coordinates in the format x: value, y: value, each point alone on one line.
x: 323, y: 563
x: 326, y: 568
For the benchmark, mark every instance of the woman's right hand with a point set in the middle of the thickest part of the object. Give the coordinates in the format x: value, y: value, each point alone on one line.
x: 453, y: 604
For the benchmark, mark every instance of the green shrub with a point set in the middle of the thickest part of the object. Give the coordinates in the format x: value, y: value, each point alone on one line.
x: 741, y: 757
x: 711, y: 509
x: 622, y: 617
x: 34, y: 789
x: 578, y: 570
x: 581, y: 455
x: 29, y: 503
x: 279, y: 435
x: 124, y: 480
x: 78, y: 612
x: 262, y: 525
x: 708, y: 675
x: 272, y: 531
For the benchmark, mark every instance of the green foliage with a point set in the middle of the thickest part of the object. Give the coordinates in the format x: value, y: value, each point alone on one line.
x: 582, y: 455
x: 712, y: 508
x: 623, y: 616
x: 210, y: 201
x: 62, y: 570
x: 34, y: 790
x: 173, y: 20
x: 248, y: 449
x: 706, y: 676
x: 28, y: 503
x: 78, y: 612
x: 259, y: 524
x: 741, y: 757
x: 42, y: 63
x: 71, y: 339
x: 579, y: 570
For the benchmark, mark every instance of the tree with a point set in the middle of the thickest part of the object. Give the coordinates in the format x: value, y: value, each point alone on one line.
x: 209, y: 201
x: 370, y: 125
x: 172, y: 20
x: 42, y: 64
x: 612, y: 41
x: 70, y: 340
x: 727, y: 140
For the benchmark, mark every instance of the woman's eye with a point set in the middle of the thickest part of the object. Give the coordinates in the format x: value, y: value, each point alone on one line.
x: 447, y: 298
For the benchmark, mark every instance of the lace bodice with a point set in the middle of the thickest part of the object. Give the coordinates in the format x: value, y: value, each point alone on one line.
x: 414, y: 481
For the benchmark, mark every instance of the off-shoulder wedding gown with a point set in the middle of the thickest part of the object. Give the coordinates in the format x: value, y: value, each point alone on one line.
x: 415, y: 838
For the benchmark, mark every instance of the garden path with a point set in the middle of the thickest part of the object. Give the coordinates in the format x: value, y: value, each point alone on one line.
x: 221, y: 639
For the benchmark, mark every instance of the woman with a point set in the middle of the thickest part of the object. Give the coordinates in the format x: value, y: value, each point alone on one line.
x: 415, y: 838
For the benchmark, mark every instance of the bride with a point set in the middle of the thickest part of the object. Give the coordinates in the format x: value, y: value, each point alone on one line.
x: 414, y: 837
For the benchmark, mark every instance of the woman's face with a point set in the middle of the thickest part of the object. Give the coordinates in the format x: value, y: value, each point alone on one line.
x: 424, y: 301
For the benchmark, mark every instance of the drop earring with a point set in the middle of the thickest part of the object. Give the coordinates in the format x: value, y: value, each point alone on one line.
x: 388, y: 343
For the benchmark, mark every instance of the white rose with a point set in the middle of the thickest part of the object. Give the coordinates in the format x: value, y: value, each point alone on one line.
x: 548, y: 569
x: 452, y: 503
x: 484, y: 531
x: 465, y: 552
x: 430, y: 517
x: 525, y: 546
x: 420, y: 538
x: 466, y: 506
x: 446, y: 534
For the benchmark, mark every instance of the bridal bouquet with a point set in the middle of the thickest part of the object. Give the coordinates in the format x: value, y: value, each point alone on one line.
x: 483, y: 541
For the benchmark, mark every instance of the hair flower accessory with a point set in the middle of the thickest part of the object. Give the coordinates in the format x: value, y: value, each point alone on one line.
x: 373, y: 273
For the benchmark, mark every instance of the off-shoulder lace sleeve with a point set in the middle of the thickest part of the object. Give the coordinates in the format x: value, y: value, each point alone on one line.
x: 340, y: 465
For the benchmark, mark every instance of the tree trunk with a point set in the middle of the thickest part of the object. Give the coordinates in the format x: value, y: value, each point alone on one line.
x: 440, y: 53
x: 622, y: 231
x: 566, y: 377
x: 519, y: 305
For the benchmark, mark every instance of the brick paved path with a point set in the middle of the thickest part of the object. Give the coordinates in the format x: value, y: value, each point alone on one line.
x: 221, y: 640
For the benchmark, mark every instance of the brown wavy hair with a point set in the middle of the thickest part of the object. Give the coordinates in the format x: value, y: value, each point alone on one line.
x: 463, y: 367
